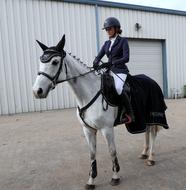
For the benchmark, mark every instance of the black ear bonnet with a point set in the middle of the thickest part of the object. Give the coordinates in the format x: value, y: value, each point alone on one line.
x: 50, y: 53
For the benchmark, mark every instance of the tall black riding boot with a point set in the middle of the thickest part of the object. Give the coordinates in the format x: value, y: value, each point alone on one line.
x: 129, y: 111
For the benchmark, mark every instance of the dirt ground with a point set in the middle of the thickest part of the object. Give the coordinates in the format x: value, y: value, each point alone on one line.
x: 48, y: 151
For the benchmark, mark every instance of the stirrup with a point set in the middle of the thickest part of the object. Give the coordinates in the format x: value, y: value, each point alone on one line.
x: 127, y: 119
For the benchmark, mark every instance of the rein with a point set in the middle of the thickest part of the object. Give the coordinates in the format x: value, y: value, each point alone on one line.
x: 74, y: 77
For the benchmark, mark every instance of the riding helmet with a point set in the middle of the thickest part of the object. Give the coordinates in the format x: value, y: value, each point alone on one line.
x: 111, y: 21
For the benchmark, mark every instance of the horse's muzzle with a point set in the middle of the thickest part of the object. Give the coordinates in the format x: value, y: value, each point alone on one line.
x: 38, y: 93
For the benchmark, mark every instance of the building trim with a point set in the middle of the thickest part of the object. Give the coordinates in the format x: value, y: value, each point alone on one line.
x: 97, y: 28
x: 164, y: 62
x: 128, y: 6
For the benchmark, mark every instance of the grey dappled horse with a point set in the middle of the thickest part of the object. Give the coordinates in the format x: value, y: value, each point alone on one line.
x: 57, y: 66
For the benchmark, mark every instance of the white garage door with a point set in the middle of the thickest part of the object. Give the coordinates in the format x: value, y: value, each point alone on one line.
x: 146, y: 58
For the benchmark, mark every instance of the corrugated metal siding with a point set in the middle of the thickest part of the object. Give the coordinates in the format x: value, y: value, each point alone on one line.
x: 156, y: 26
x: 146, y: 58
x: 21, y: 23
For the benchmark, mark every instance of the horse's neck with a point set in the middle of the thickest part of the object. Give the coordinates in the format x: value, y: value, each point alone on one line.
x: 84, y: 87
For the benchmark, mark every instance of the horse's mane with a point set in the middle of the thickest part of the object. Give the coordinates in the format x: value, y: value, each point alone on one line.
x: 80, y: 62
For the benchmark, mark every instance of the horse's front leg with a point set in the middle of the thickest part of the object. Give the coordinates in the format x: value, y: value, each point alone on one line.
x: 90, y: 135
x: 108, y: 134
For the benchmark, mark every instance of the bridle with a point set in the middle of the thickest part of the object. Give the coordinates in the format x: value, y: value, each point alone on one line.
x: 47, y: 56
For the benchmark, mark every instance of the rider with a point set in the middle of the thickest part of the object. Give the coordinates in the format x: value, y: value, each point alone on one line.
x: 117, y: 51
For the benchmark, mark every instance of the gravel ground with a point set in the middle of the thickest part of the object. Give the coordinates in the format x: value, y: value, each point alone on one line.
x: 48, y: 151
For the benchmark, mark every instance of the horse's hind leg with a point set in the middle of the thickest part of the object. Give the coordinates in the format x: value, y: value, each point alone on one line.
x: 90, y: 135
x: 108, y: 134
x: 144, y: 154
x: 153, y: 134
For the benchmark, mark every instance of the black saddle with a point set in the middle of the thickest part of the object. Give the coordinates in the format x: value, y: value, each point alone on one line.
x: 111, y: 96
x: 108, y: 90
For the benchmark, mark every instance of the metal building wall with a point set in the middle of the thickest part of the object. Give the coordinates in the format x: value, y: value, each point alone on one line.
x: 24, y: 21
x: 170, y: 27
x: 21, y: 23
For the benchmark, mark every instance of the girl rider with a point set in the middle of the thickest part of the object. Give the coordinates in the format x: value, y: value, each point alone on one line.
x: 117, y: 51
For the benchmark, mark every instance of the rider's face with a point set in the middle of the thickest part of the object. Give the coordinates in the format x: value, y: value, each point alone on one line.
x: 111, y: 31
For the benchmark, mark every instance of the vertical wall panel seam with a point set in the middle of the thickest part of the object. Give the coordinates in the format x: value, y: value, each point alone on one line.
x: 17, y: 65
x: 164, y: 62
x: 3, y: 110
x: 25, y: 61
x: 37, y: 104
x: 10, y: 100
x: 97, y: 27
x: 29, y: 76
x: 23, y: 58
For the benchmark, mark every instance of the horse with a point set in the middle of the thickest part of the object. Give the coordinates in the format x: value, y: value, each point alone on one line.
x: 57, y: 66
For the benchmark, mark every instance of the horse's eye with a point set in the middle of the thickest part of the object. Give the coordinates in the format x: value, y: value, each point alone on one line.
x: 55, y: 62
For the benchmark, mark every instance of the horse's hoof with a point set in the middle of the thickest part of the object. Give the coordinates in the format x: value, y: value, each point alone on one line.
x: 115, y: 182
x: 89, y: 187
x: 143, y: 156
x: 150, y: 162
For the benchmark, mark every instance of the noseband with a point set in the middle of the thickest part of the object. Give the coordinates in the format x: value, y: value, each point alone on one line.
x: 46, y: 57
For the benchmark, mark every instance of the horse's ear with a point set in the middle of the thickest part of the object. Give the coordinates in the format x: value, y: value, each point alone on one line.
x: 61, y: 44
x: 43, y: 47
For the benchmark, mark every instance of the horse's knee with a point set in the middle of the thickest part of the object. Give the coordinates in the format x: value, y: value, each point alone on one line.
x: 92, y: 155
x: 112, y: 153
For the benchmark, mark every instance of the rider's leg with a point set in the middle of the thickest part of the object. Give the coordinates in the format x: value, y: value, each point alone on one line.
x: 130, y: 114
x: 119, y: 80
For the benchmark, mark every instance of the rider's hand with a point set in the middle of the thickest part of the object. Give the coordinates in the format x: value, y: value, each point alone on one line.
x: 95, y: 66
x: 106, y: 65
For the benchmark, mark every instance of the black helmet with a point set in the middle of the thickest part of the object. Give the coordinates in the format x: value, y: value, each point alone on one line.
x: 111, y: 21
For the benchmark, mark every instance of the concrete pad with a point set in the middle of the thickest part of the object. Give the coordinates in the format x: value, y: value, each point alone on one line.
x: 48, y: 151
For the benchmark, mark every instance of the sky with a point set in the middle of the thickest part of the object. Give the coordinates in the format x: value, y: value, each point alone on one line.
x: 168, y: 4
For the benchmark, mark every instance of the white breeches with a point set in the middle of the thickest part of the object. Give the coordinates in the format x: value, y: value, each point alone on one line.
x: 118, y: 82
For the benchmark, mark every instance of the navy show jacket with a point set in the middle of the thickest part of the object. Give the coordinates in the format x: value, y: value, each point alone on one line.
x: 119, y: 54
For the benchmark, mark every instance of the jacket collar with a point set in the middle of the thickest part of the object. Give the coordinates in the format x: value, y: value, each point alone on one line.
x: 118, y: 38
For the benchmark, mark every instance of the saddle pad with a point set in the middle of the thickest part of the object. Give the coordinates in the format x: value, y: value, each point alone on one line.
x: 148, y: 104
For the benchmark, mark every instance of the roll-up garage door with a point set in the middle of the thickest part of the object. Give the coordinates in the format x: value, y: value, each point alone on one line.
x: 146, y: 58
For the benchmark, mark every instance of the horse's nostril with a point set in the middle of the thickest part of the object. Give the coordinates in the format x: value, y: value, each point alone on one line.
x: 40, y: 91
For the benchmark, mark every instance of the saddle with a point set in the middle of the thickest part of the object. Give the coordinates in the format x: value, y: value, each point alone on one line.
x: 111, y: 96
x: 108, y: 89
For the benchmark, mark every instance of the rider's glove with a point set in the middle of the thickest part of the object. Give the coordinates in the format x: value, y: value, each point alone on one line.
x: 95, y: 66
x: 106, y: 65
